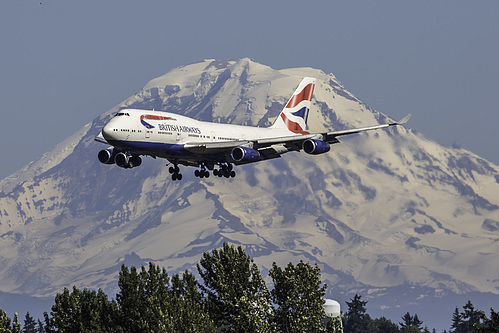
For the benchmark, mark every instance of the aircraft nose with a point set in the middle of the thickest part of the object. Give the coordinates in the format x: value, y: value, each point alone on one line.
x: 107, y: 131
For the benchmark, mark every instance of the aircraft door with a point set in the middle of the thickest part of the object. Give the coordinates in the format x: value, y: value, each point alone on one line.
x: 212, y: 137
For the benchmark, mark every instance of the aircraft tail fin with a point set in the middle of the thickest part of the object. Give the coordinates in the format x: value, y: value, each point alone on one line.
x: 294, y: 115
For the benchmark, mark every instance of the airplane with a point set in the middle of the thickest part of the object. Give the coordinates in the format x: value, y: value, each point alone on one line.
x: 213, y: 146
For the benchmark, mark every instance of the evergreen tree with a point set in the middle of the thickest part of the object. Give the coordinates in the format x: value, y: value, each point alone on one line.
x: 29, y: 324
x: 356, y: 319
x: 82, y: 311
x: 410, y: 329
x: 16, y: 325
x: 40, y: 328
x: 148, y: 303
x: 237, y: 297
x: 4, y: 322
x: 189, y: 310
x: 143, y: 299
x: 471, y: 317
x: 456, y: 321
x: 410, y: 322
x: 356, y: 306
x: 466, y: 321
x: 489, y: 325
x: 385, y: 325
x: 49, y: 324
x: 298, y: 296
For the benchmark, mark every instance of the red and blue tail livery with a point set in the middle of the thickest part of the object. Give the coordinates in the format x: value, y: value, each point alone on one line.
x: 214, y: 147
x: 294, y: 116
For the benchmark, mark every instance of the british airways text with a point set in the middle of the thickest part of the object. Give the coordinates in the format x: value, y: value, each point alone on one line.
x: 179, y: 128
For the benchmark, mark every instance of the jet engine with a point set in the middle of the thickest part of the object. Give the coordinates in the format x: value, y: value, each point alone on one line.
x: 106, y: 156
x: 125, y: 160
x: 240, y: 154
x: 134, y: 161
x: 315, y: 147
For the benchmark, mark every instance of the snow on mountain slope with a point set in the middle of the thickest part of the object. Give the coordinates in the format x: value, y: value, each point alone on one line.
x: 382, y: 210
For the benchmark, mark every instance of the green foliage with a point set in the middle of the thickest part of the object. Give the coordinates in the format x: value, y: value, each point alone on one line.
x: 40, y: 328
x: 232, y: 298
x: 467, y: 320
x: 410, y: 329
x: 410, y: 323
x: 356, y: 319
x: 142, y: 299
x: 16, y: 325
x: 237, y: 297
x: 298, y: 295
x: 4, y: 322
x: 82, y: 311
x: 489, y: 325
x: 385, y: 325
x: 333, y: 325
x: 356, y: 307
x: 148, y: 303
x: 29, y: 324
x: 189, y: 313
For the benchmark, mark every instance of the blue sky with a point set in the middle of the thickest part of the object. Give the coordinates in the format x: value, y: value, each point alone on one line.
x: 62, y: 63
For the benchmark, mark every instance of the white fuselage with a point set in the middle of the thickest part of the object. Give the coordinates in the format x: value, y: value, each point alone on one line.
x: 163, y: 134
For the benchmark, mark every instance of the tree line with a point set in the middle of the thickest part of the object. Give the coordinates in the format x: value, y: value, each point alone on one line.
x: 231, y: 297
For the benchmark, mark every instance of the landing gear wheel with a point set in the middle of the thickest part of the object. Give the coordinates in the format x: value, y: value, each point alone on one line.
x: 177, y: 176
x: 202, y: 172
x: 175, y: 172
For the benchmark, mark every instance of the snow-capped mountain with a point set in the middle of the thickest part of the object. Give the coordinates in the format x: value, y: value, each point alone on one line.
x: 389, y: 214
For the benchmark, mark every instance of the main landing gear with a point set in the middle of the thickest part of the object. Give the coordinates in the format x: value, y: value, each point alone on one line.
x: 202, y: 173
x: 175, y: 171
x: 225, y: 171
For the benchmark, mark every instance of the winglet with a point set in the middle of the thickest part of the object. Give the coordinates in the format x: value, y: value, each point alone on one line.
x: 404, y: 120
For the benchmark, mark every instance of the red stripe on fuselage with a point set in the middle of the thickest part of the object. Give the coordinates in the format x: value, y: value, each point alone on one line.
x: 152, y: 117
x: 304, y: 95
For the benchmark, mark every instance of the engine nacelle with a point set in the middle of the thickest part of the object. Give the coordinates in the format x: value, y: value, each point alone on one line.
x: 240, y: 154
x: 121, y: 160
x: 315, y: 147
x: 107, y: 156
x: 134, y: 161
x: 127, y: 161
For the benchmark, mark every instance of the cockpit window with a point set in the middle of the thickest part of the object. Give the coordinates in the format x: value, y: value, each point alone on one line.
x: 122, y: 114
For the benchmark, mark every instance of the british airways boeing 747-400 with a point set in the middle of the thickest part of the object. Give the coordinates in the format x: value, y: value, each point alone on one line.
x: 213, y: 146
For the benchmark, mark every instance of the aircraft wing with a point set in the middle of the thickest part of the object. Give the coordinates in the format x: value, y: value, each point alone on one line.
x: 209, y: 147
x: 100, y: 138
x: 332, y: 135
x: 270, y: 146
